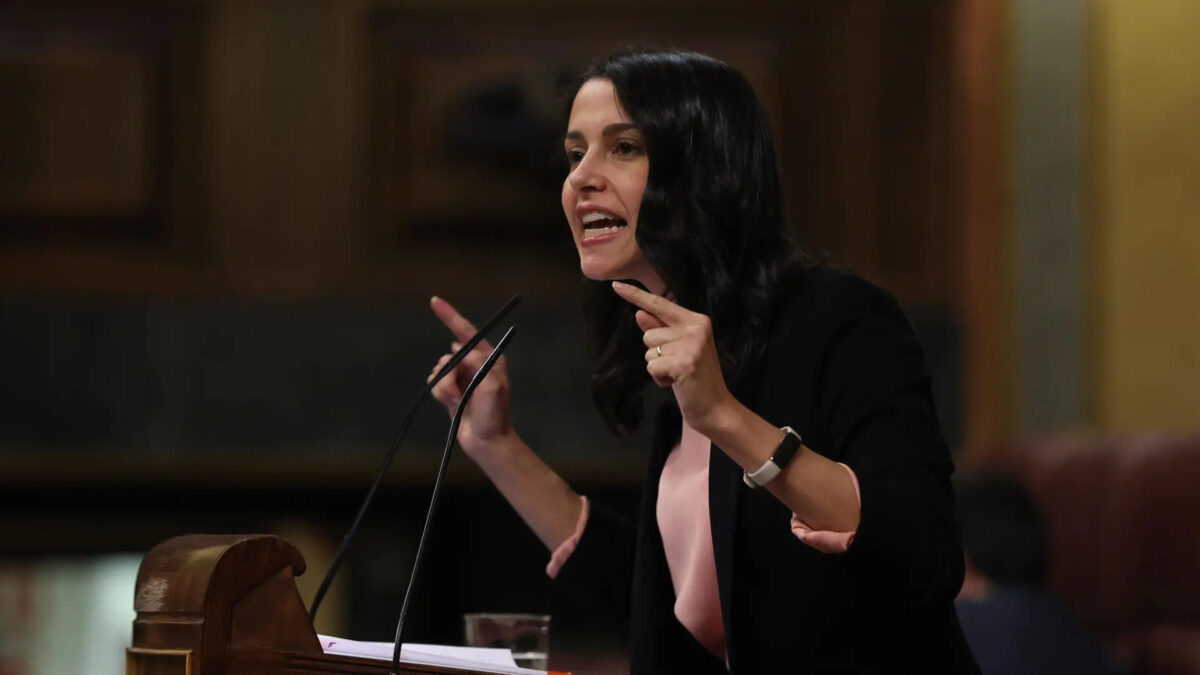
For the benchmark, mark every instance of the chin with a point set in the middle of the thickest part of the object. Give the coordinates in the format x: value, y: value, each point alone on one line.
x: 599, y: 272
x: 614, y: 268
x: 603, y: 270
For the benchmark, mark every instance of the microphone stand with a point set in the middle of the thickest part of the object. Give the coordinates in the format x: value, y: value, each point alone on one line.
x: 395, y: 445
x: 437, y: 485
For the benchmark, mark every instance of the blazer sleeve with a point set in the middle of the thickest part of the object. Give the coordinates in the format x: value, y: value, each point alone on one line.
x: 601, y: 566
x: 875, y: 399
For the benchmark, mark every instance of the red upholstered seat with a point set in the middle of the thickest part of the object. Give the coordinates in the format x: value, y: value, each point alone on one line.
x: 1123, y: 517
x: 1158, y: 485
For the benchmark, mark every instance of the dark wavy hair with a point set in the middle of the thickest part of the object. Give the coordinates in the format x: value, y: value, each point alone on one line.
x: 710, y: 221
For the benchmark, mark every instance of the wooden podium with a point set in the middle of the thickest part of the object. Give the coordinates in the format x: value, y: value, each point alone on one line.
x: 228, y: 605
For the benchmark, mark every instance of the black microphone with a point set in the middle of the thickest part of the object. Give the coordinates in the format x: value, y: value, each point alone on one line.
x: 437, y: 486
x: 391, y: 453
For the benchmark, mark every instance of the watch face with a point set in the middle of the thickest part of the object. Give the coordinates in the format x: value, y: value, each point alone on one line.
x: 787, y: 447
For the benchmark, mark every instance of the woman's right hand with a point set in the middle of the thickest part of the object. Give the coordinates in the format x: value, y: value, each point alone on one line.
x: 485, y: 423
x: 539, y: 495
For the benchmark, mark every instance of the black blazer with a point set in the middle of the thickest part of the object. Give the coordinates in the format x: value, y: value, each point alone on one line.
x: 844, y: 369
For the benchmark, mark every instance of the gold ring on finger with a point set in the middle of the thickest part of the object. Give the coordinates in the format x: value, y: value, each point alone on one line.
x: 658, y: 350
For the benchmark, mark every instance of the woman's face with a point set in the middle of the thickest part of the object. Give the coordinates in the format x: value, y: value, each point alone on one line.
x: 603, y: 189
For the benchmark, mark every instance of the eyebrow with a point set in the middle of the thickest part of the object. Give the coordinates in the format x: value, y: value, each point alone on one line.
x: 608, y: 130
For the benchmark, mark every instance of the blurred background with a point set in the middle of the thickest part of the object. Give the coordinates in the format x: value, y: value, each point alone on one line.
x: 221, y: 222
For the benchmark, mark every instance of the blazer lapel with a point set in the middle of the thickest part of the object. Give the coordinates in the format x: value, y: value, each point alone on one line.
x: 725, y: 488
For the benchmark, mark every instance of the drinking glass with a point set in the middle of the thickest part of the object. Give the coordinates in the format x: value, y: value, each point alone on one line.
x: 526, y: 635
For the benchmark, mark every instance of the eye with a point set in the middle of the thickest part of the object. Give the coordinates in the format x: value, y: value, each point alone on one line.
x: 627, y: 148
x: 574, y: 156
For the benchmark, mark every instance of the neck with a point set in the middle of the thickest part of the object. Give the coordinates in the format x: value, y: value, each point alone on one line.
x: 652, y: 282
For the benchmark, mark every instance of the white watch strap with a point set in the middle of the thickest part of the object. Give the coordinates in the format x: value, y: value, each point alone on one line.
x: 765, y: 474
x: 784, y: 452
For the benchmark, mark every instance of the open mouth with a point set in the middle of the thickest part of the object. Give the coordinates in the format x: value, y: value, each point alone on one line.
x: 598, y: 223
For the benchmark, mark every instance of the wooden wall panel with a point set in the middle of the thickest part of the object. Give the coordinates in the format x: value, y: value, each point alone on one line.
x: 84, y: 128
x: 302, y: 150
x: 79, y: 137
x: 98, y: 161
x: 979, y: 35
x: 469, y: 104
x: 831, y: 160
x: 917, y: 192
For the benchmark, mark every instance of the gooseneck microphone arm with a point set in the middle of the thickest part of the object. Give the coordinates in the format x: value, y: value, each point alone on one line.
x: 437, y: 486
x: 396, y: 440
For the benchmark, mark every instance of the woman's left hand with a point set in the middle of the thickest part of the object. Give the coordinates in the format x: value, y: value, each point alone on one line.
x: 680, y: 353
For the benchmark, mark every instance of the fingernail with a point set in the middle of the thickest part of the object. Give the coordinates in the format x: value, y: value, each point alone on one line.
x: 455, y: 346
x: 617, y: 285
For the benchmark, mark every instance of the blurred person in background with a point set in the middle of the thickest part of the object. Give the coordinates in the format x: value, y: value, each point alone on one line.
x: 797, y: 512
x: 1014, y: 626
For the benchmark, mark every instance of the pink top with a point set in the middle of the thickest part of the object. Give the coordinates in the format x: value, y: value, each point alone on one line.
x: 683, y: 521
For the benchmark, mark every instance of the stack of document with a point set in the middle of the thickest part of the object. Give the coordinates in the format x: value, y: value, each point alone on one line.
x: 471, y: 658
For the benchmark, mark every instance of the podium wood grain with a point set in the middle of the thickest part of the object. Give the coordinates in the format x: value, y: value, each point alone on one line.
x: 228, y: 605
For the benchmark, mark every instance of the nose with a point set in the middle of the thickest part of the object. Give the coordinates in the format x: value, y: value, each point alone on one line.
x: 587, y: 176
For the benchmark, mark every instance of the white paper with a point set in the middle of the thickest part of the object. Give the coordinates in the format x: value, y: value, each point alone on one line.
x: 472, y: 658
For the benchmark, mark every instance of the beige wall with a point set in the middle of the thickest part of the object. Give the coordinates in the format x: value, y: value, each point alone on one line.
x: 1146, y: 194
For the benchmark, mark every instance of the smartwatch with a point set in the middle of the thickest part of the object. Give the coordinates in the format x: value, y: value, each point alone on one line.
x: 771, y: 468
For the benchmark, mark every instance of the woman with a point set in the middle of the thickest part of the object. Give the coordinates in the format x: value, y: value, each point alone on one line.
x: 847, y: 558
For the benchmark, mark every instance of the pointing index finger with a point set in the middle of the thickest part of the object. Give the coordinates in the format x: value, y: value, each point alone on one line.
x: 659, y: 307
x: 457, y: 323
